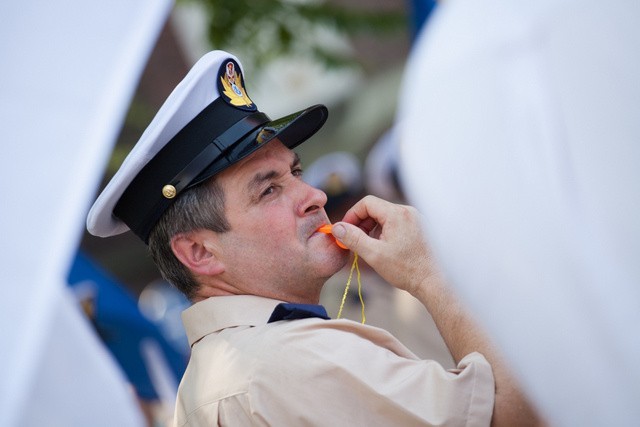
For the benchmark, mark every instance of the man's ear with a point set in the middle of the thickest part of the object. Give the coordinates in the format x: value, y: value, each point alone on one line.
x: 198, y: 252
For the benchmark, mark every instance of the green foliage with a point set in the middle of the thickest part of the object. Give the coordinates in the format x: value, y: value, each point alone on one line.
x: 266, y: 29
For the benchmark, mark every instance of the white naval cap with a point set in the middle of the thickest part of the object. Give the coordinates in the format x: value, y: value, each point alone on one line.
x: 335, y: 173
x: 206, y: 124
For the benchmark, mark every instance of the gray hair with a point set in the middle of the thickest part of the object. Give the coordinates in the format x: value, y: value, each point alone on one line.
x: 200, y: 207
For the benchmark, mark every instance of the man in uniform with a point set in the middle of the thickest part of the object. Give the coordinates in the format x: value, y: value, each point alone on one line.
x: 215, y: 190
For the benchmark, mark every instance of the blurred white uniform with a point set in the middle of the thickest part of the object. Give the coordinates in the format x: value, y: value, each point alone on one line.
x: 520, y: 141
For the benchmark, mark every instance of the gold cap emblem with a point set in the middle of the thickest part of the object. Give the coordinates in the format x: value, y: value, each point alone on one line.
x: 231, y: 86
x: 169, y: 191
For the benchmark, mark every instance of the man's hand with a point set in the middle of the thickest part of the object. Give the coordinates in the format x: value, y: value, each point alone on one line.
x: 390, y: 239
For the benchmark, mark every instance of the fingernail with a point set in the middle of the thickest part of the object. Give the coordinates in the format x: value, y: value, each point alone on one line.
x: 339, y: 231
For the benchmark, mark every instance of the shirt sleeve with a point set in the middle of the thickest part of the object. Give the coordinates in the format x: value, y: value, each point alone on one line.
x: 340, y: 373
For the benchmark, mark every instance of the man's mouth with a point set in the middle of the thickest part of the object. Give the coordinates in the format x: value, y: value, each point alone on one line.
x: 326, y: 229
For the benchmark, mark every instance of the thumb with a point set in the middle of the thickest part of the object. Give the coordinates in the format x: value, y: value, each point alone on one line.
x: 354, y: 238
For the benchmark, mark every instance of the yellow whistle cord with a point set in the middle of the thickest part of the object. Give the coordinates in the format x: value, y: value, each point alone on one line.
x: 346, y: 289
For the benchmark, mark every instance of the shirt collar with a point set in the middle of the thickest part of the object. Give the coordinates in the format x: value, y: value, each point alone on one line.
x: 217, y: 313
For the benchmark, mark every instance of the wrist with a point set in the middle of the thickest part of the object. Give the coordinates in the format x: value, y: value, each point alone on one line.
x: 432, y: 291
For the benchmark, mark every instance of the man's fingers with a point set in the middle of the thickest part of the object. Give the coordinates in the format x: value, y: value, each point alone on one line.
x: 366, y: 209
x: 355, y: 239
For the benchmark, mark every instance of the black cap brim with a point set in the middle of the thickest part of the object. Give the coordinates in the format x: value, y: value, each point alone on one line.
x: 291, y: 130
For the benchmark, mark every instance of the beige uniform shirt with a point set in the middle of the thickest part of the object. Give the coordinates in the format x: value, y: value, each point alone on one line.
x: 244, y: 371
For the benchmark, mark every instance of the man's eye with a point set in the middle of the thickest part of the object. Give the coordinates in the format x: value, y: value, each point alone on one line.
x: 296, y: 172
x: 268, y: 191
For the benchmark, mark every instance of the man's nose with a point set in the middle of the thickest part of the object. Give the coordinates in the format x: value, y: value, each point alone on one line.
x: 312, y: 199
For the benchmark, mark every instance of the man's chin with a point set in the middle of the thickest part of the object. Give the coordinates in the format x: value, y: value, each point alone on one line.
x: 340, y: 257
x: 332, y: 257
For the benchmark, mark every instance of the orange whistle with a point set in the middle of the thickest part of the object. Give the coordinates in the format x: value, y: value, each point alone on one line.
x: 326, y: 229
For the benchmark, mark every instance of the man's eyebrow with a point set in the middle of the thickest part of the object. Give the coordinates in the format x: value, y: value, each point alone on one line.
x: 256, y: 182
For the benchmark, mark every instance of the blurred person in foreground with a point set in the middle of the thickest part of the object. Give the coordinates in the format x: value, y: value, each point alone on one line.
x: 215, y: 190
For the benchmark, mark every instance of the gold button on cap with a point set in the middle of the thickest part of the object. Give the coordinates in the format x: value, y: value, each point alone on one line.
x: 169, y: 191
